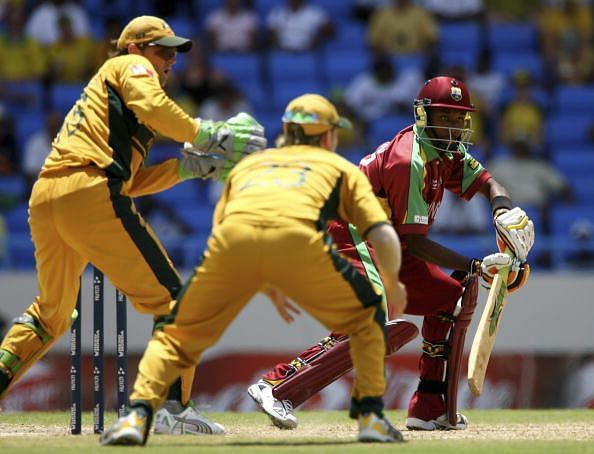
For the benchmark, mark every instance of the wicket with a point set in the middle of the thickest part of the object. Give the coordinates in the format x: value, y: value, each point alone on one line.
x: 98, y: 354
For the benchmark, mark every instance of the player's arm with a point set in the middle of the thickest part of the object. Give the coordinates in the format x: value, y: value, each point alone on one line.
x: 386, y: 245
x: 155, y: 178
x: 428, y: 250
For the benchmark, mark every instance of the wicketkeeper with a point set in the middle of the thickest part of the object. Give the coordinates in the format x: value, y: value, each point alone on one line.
x: 82, y: 211
x: 409, y: 174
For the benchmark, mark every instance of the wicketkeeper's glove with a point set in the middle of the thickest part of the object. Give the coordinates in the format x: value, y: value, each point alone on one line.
x: 515, y: 231
x: 220, y: 145
x: 490, y: 265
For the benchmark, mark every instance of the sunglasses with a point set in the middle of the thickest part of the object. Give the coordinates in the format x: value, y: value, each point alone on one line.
x: 166, y: 53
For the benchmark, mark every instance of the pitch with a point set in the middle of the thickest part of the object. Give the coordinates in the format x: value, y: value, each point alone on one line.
x: 491, y: 431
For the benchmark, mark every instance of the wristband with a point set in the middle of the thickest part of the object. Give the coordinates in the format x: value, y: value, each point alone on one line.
x: 499, y: 202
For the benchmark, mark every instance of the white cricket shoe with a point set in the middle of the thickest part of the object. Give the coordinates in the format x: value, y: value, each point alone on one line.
x: 279, y: 411
x: 128, y: 430
x: 174, y: 419
x: 440, y: 423
x: 373, y: 428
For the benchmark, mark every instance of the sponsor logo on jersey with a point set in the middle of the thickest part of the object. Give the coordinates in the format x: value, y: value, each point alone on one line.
x: 456, y: 93
x: 473, y: 164
x: 140, y: 70
x: 421, y: 219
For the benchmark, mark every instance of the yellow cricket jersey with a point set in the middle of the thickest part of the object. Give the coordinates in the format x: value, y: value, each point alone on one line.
x: 299, y: 183
x: 113, y: 124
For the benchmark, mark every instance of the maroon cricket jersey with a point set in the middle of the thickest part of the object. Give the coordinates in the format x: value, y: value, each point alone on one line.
x: 410, y: 178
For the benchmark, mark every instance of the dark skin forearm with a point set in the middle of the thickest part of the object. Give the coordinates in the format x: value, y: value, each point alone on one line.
x: 423, y: 248
x: 428, y: 250
x: 492, y: 189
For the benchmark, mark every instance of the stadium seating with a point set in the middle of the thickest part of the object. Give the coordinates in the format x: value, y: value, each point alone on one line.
x: 26, y: 124
x: 342, y: 66
x: 12, y: 186
x: 284, y: 91
x: 575, y: 161
x: 289, y: 66
x: 575, y: 98
x: 385, y: 128
x: 564, y: 216
x: 16, y: 219
x: 63, y: 96
x: 510, y: 62
x: 460, y: 36
x: 564, y: 130
x: 350, y: 35
x: 467, y: 59
x: 239, y: 67
x: 29, y: 97
x: 512, y: 36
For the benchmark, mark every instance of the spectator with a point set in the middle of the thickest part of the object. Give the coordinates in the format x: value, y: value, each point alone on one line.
x: 227, y: 102
x: 512, y: 10
x: 522, y: 115
x: 9, y: 159
x: 298, y: 26
x: 530, y: 180
x: 38, y: 147
x: 582, y: 232
x: 199, y: 79
x: 566, y: 38
x: 462, y: 217
x: 381, y: 91
x: 43, y: 23
x: 402, y: 28
x: 113, y: 26
x: 22, y: 57
x: 70, y: 58
x: 232, y: 27
x: 363, y: 9
x: 353, y: 142
x: 486, y: 83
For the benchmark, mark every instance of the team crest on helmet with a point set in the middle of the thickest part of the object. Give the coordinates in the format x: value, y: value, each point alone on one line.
x: 456, y: 93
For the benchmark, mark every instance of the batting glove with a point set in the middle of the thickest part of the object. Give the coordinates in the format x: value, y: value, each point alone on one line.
x: 231, y: 140
x: 516, y: 231
x: 196, y: 164
x: 490, y: 265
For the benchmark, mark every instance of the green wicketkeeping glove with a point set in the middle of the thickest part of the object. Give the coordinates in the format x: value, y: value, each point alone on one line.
x: 232, y: 139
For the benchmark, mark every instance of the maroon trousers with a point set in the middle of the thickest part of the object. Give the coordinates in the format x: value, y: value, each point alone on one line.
x: 431, y: 292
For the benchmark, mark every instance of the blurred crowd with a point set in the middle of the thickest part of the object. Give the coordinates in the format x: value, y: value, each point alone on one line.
x: 529, y: 65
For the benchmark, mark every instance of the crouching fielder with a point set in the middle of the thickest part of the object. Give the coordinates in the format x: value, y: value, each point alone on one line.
x: 270, y: 235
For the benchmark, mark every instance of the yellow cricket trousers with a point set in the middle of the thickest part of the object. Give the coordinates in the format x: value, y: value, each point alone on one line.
x: 242, y: 259
x: 77, y: 216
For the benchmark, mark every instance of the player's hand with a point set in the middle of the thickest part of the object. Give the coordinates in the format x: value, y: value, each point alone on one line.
x: 194, y: 163
x: 397, y: 298
x: 231, y: 139
x: 493, y: 263
x: 515, y: 231
x: 285, y: 308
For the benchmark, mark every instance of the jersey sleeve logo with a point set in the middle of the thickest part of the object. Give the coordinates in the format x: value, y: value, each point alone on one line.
x: 141, y: 70
x: 473, y: 164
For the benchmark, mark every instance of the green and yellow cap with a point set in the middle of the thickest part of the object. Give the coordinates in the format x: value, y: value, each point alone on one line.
x: 315, y: 114
x: 152, y: 30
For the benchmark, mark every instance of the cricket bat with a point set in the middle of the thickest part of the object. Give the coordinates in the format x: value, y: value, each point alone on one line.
x: 486, y: 333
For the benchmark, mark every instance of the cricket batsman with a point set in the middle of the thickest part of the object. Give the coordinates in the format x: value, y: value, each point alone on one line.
x: 409, y: 174
x: 82, y: 211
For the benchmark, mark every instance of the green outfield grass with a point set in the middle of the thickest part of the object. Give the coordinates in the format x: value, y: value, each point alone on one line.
x: 491, y: 431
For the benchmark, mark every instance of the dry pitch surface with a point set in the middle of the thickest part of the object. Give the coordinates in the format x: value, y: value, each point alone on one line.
x: 498, y: 431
